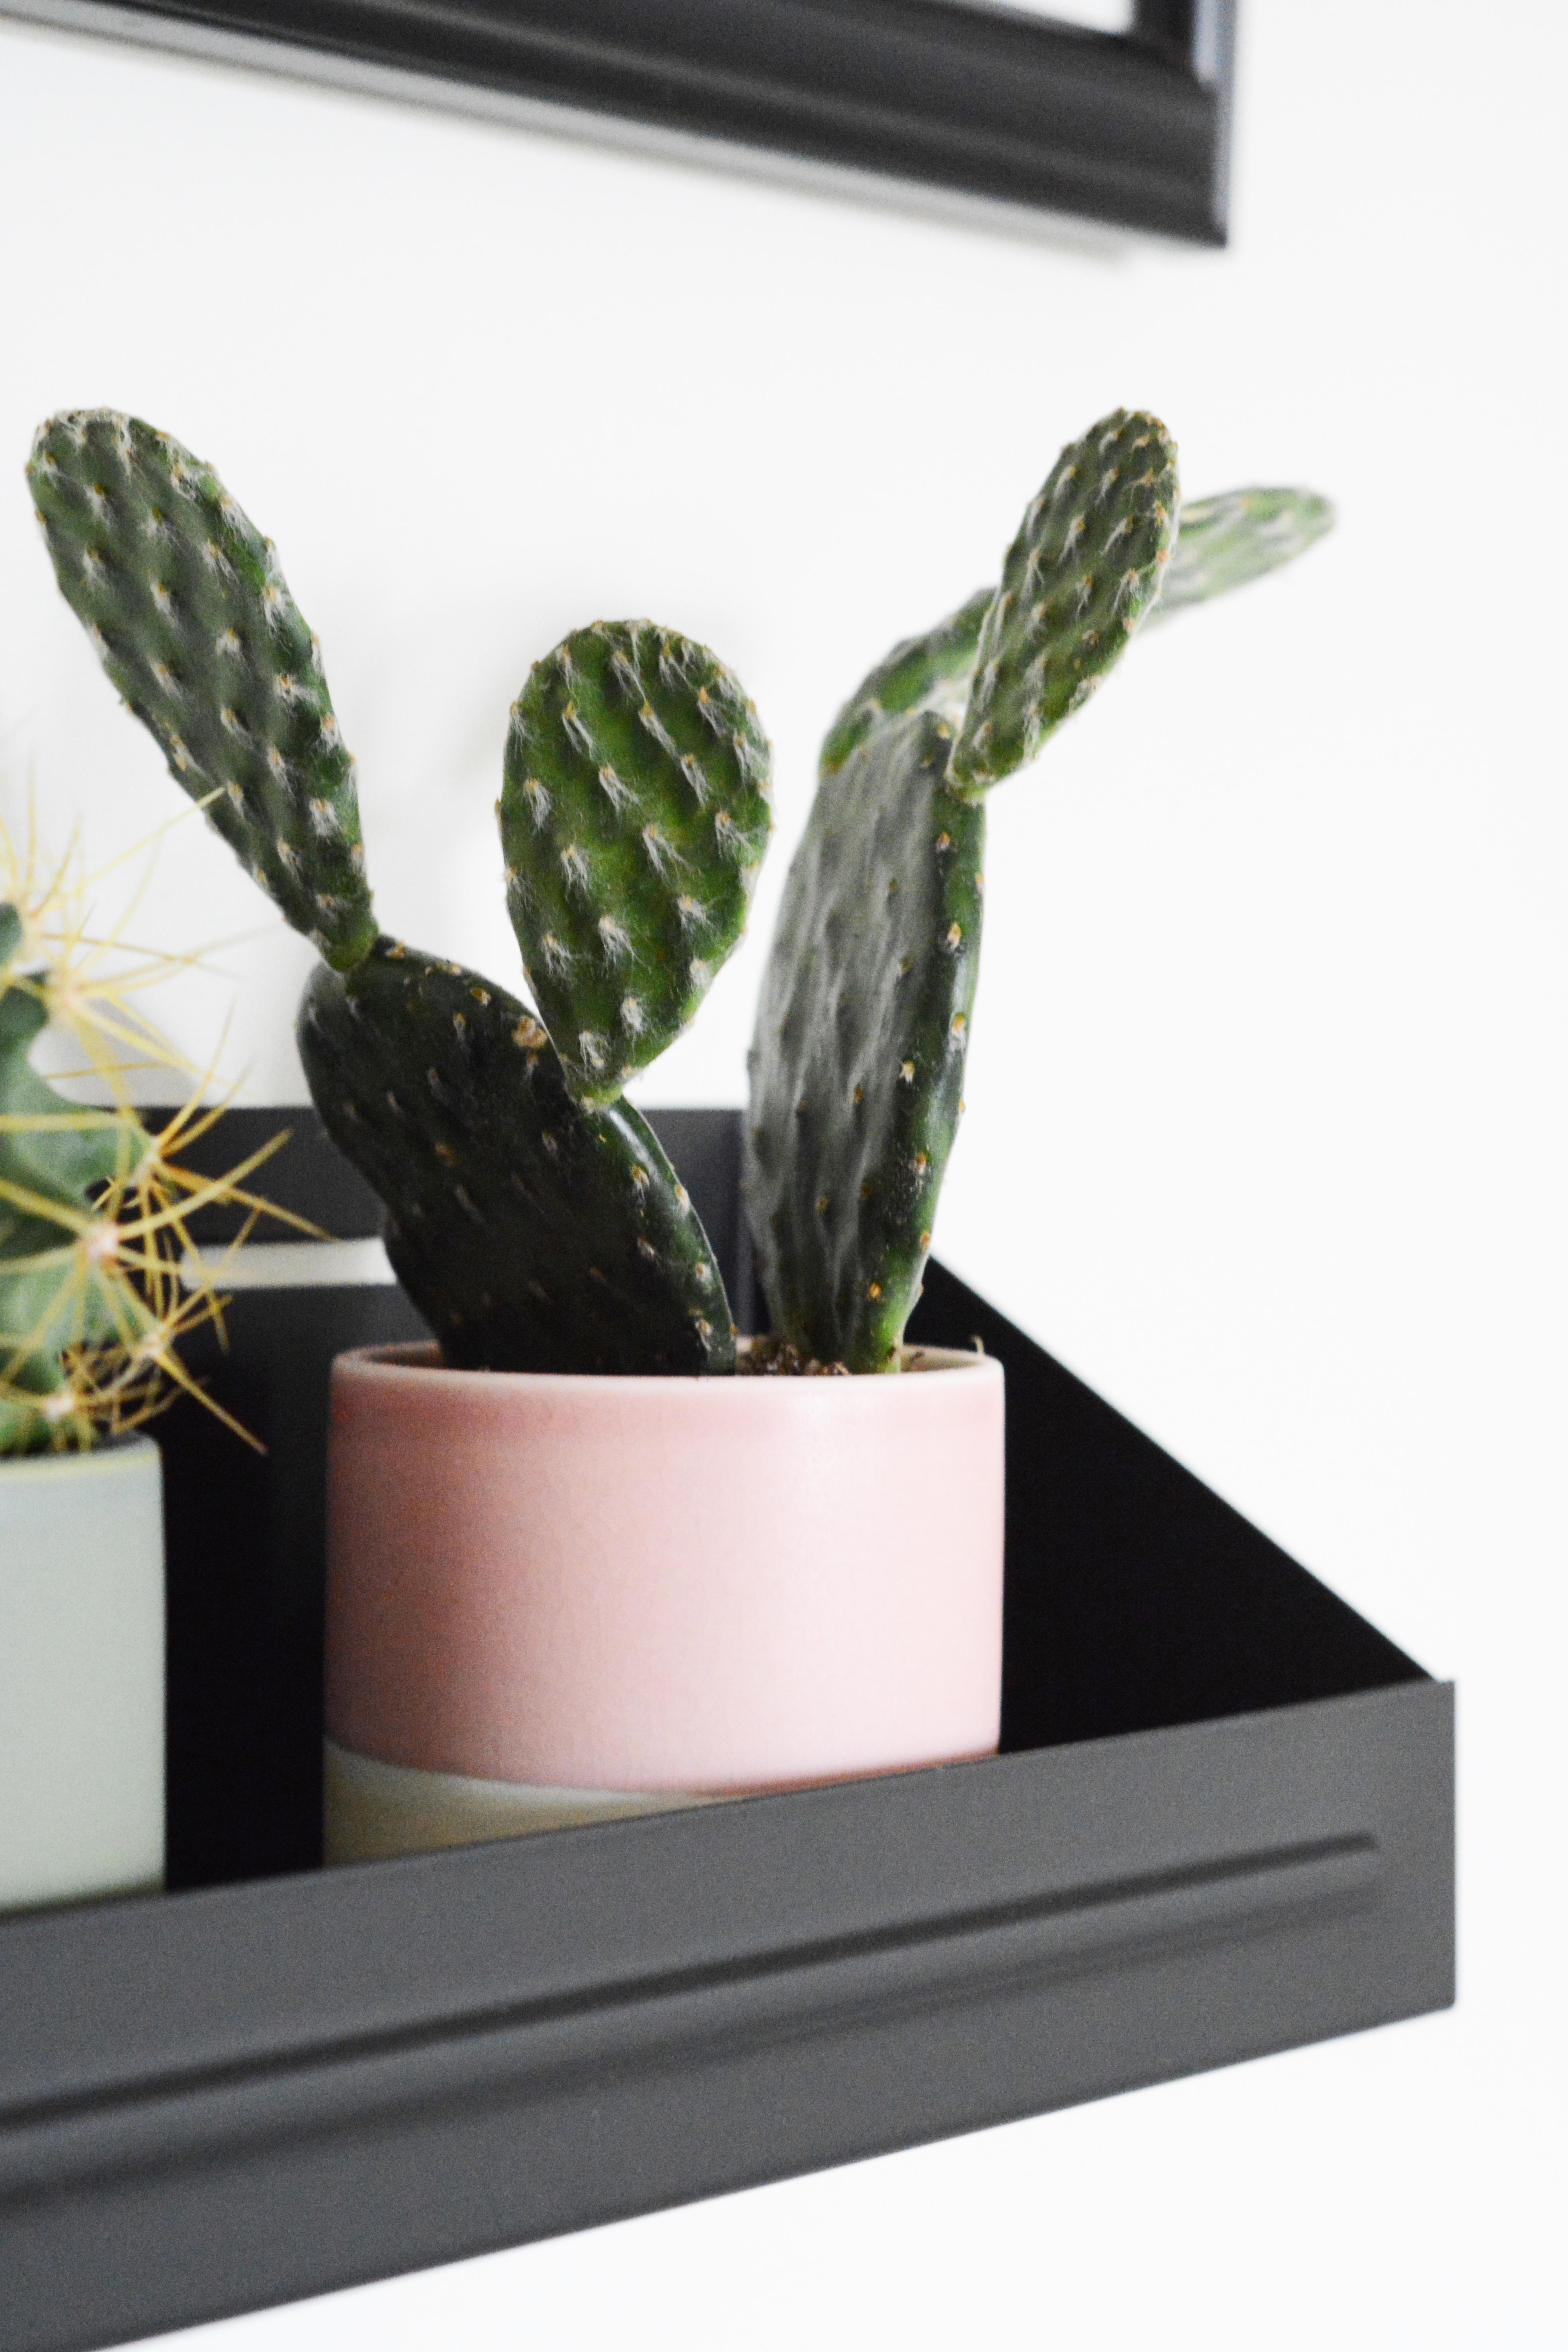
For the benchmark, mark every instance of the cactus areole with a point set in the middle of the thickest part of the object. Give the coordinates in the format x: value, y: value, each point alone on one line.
x: 531, y: 1214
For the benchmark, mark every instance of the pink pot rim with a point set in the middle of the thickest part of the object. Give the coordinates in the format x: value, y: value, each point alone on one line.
x: 405, y: 1360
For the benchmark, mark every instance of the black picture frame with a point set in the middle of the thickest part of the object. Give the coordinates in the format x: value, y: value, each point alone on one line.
x: 961, y: 101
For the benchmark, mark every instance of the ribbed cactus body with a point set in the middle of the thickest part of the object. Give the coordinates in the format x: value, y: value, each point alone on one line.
x: 857, y: 1066
x: 928, y: 673
x: 1076, y: 581
x: 190, y: 615
x: 56, y: 1288
x: 532, y: 1232
x: 1226, y: 541
x: 634, y: 817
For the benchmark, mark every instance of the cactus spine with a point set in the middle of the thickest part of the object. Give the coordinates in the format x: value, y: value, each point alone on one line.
x: 95, y: 1286
x: 62, y: 1179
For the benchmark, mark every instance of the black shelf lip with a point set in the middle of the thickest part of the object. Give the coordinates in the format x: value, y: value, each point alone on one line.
x: 590, y: 1941
x: 249, y: 2094
x: 942, y: 1955
x: 984, y: 105
x: 195, y: 2115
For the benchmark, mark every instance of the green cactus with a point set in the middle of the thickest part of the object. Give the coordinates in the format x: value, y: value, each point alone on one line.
x: 531, y: 1227
x: 531, y: 1215
x: 96, y: 1281
x: 61, y: 1285
x: 191, y: 617
x: 634, y: 817
x: 843, y: 1164
x: 857, y: 1070
x: 857, y: 1064
x: 535, y: 1232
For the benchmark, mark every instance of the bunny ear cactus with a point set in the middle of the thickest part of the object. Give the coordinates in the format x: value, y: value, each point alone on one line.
x: 530, y: 1212
x: 534, y: 1219
x: 857, y: 1066
x: 858, y: 1062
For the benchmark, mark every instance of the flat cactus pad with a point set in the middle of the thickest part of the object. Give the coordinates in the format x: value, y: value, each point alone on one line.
x: 857, y: 1066
x: 191, y: 619
x: 634, y: 817
x: 1222, y: 543
x: 532, y: 1232
x: 927, y: 673
x: 1078, y: 578
x: 1226, y: 541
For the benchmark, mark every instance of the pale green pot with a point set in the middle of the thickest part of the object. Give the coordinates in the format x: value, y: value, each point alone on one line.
x: 81, y: 1674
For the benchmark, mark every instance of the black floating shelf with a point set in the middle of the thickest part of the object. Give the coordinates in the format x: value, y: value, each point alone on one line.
x: 1222, y: 1824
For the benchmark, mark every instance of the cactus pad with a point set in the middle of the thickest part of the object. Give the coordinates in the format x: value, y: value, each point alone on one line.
x: 634, y: 817
x: 533, y: 1233
x: 857, y: 1066
x: 191, y: 619
x: 929, y: 673
x: 1226, y: 541
x: 1078, y: 578
x: 1222, y: 543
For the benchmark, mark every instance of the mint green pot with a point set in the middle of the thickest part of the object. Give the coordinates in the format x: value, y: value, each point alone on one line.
x: 81, y: 1674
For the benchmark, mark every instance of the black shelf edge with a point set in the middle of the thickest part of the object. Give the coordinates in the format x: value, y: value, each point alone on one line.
x: 253, y: 2094
x: 983, y: 105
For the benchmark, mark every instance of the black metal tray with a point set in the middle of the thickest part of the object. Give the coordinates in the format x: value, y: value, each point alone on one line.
x: 1221, y: 1824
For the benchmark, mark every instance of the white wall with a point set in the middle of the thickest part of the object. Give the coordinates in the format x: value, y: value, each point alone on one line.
x: 1265, y: 1133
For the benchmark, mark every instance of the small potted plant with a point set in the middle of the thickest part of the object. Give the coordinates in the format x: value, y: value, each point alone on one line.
x: 589, y: 1550
x: 95, y: 1294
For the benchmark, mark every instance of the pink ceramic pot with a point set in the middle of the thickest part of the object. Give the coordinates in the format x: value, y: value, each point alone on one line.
x: 663, y: 1585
